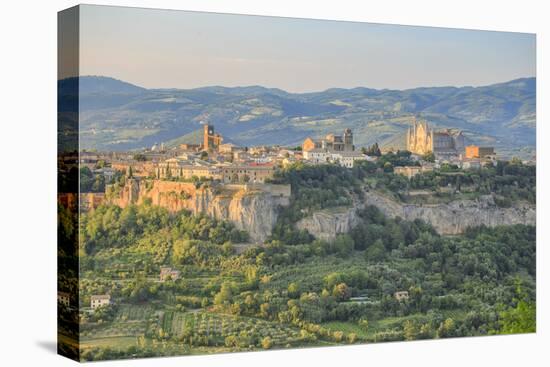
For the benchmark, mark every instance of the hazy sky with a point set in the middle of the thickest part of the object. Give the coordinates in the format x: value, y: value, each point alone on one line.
x: 177, y: 49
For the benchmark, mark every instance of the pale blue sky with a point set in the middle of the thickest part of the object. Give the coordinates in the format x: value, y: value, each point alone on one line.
x: 177, y: 49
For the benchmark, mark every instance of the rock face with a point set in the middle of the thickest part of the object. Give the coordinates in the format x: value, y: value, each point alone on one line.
x: 447, y: 219
x: 253, y: 208
x: 326, y: 224
x: 455, y: 217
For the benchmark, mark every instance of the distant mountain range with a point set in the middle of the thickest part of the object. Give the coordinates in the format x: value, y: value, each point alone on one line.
x: 116, y: 115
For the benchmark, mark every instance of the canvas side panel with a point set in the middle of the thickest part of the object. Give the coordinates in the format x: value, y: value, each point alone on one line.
x: 67, y: 183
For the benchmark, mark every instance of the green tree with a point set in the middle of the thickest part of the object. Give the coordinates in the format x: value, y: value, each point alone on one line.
x: 446, y: 329
x: 225, y: 295
x: 364, y: 323
x: 429, y: 157
x: 376, y: 251
x: 523, y: 317
x: 338, y: 336
x: 409, y: 330
x: 341, y: 292
x: 293, y: 290
x: 265, y: 310
x: 426, y: 331
x: 231, y: 341
x: 343, y: 244
x: 373, y: 150
x: 520, y: 319
x: 267, y: 342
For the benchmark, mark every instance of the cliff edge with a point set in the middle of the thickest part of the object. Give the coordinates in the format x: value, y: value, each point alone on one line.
x: 250, y: 207
x: 447, y: 219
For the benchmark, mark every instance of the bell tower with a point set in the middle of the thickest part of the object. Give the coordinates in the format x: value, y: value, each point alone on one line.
x: 348, y: 140
x: 208, y: 132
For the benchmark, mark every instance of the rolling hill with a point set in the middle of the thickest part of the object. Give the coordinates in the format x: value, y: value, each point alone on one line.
x: 116, y: 115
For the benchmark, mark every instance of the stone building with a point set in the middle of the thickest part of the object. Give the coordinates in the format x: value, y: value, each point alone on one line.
x: 332, y: 148
x: 178, y: 168
x: 411, y: 171
x: 317, y: 156
x: 331, y: 142
x: 474, y: 151
x: 188, y: 147
x: 63, y: 298
x: 252, y: 172
x: 139, y: 169
x: 401, y: 295
x: 100, y: 300
x: 347, y: 159
x: 228, y: 148
x: 186, y: 166
x: 167, y: 273
x: 421, y: 139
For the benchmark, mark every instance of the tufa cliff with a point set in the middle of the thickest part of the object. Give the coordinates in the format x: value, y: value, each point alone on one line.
x: 447, y: 219
x: 326, y: 224
x: 253, y: 207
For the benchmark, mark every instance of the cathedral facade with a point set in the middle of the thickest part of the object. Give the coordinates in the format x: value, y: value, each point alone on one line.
x: 421, y: 140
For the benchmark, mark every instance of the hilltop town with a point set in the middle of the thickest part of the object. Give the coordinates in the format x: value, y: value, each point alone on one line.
x: 212, y: 160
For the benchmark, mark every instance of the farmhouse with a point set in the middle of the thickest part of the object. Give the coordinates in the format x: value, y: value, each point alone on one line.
x: 167, y: 273
x: 401, y: 295
x: 100, y: 300
x: 63, y: 298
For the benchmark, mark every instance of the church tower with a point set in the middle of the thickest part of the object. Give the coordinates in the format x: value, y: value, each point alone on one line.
x: 208, y: 131
x: 348, y: 140
x: 211, y: 141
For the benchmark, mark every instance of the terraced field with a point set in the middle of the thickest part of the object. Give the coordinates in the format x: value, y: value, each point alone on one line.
x: 221, y: 326
x: 132, y: 312
x: 130, y: 321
